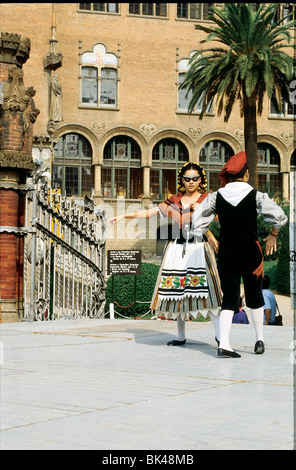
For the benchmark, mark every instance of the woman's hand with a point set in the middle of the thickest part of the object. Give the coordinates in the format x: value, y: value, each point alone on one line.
x: 116, y: 219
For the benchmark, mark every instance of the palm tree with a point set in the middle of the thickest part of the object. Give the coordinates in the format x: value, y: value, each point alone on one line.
x: 252, y: 63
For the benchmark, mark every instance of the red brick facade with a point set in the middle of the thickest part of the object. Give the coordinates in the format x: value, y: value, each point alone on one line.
x: 16, y: 137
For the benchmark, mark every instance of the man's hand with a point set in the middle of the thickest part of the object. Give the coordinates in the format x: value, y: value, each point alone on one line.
x: 270, y: 246
x: 214, y: 244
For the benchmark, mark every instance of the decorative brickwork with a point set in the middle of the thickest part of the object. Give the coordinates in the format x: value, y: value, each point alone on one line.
x: 17, y: 116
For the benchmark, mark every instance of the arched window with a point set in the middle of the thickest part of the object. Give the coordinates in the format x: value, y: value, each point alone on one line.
x: 122, y: 173
x: 168, y: 156
x: 99, y: 78
x: 212, y: 158
x: 72, y: 169
x: 269, y: 177
x: 183, y: 100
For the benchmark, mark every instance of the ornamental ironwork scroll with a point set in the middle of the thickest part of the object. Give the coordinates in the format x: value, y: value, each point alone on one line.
x: 64, y: 257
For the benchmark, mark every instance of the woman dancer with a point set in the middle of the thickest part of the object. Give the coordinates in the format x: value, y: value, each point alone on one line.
x: 188, y: 283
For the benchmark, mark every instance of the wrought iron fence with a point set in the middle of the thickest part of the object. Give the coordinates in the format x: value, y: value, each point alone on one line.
x: 64, y: 256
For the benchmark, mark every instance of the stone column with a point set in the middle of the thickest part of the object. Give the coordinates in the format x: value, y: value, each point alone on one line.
x: 146, y: 198
x: 17, y: 115
x: 285, y: 180
x: 98, y: 197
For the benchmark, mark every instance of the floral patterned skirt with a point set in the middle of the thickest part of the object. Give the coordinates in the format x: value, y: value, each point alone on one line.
x: 187, y: 285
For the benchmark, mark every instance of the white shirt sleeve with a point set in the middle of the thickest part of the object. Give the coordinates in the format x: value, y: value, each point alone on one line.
x: 271, y: 212
x: 204, y: 214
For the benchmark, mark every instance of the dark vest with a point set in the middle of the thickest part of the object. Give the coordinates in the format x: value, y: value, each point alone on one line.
x: 238, y: 223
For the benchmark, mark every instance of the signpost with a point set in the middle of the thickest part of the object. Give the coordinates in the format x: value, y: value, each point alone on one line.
x: 123, y: 262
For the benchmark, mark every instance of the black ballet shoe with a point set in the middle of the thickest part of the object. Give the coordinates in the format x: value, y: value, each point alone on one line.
x: 225, y: 353
x: 259, y: 347
x: 217, y: 341
x: 176, y: 342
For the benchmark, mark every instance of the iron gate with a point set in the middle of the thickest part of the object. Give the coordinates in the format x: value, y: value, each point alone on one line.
x: 64, y: 256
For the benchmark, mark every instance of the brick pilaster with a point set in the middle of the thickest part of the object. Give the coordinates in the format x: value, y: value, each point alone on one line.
x: 17, y: 115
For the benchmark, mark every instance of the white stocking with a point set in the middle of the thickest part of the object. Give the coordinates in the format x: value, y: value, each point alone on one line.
x: 225, y: 327
x: 216, y: 323
x: 181, y: 329
x: 257, y: 319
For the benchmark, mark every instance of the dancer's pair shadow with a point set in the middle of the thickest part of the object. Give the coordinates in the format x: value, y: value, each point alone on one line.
x: 155, y: 338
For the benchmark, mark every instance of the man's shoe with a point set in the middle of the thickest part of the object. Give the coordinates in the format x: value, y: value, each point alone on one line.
x: 176, y: 342
x: 225, y: 353
x: 217, y: 341
x: 259, y: 347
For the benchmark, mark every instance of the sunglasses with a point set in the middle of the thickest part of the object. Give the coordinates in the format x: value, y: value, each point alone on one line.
x: 191, y: 178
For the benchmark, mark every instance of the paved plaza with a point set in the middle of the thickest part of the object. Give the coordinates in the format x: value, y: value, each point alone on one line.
x: 115, y: 385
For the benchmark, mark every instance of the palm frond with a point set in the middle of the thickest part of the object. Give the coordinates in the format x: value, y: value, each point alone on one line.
x: 249, y: 61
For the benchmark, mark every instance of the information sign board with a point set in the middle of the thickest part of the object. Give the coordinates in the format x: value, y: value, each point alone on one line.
x: 124, y: 262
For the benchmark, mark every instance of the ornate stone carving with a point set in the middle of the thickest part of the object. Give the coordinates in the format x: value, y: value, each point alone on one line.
x: 34, y: 113
x: 23, y: 50
x: 98, y: 127
x: 55, y: 112
x: 53, y: 60
x: 11, y: 159
x: 52, y: 127
x: 42, y: 141
x: 239, y: 134
x: 16, y: 97
x: 14, y: 49
x: 286, y: 137
x: 194, y: 132
x: 148, y: 129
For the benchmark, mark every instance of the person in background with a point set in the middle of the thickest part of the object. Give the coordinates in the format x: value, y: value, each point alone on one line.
x: 269, y: 302
x: 240, y: 315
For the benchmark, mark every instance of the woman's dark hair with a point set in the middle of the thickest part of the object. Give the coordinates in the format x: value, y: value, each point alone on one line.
x: 192, y: 166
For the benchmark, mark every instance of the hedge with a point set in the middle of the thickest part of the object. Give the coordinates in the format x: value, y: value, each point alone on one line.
x: 124, y: 286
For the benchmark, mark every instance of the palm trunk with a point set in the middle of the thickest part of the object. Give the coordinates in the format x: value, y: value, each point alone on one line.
x: 250, y: 132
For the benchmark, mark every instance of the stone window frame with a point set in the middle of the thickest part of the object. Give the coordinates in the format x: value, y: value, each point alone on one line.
x: 107, y: 61
x: 92, y: 10
x: 207, y: 161
x: 75, y: 161
x: 268, y: 168
x: 142, y: 13
x: 119, y: 155
x: 182, y: 68
x: 284, y: 112
x: 186, y: 14
x: 163, y: 165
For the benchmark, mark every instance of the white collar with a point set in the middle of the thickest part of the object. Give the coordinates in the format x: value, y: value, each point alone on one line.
x: 235, y: 192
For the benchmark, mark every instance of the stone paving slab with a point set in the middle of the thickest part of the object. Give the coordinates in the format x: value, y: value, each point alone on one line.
x: 115, y: 385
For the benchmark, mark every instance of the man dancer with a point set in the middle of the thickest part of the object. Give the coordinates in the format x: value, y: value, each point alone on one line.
x: 240, y: 255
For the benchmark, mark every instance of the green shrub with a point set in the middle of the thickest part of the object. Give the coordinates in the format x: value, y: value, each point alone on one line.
x: 270, y: 268
x: 124, y: 291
